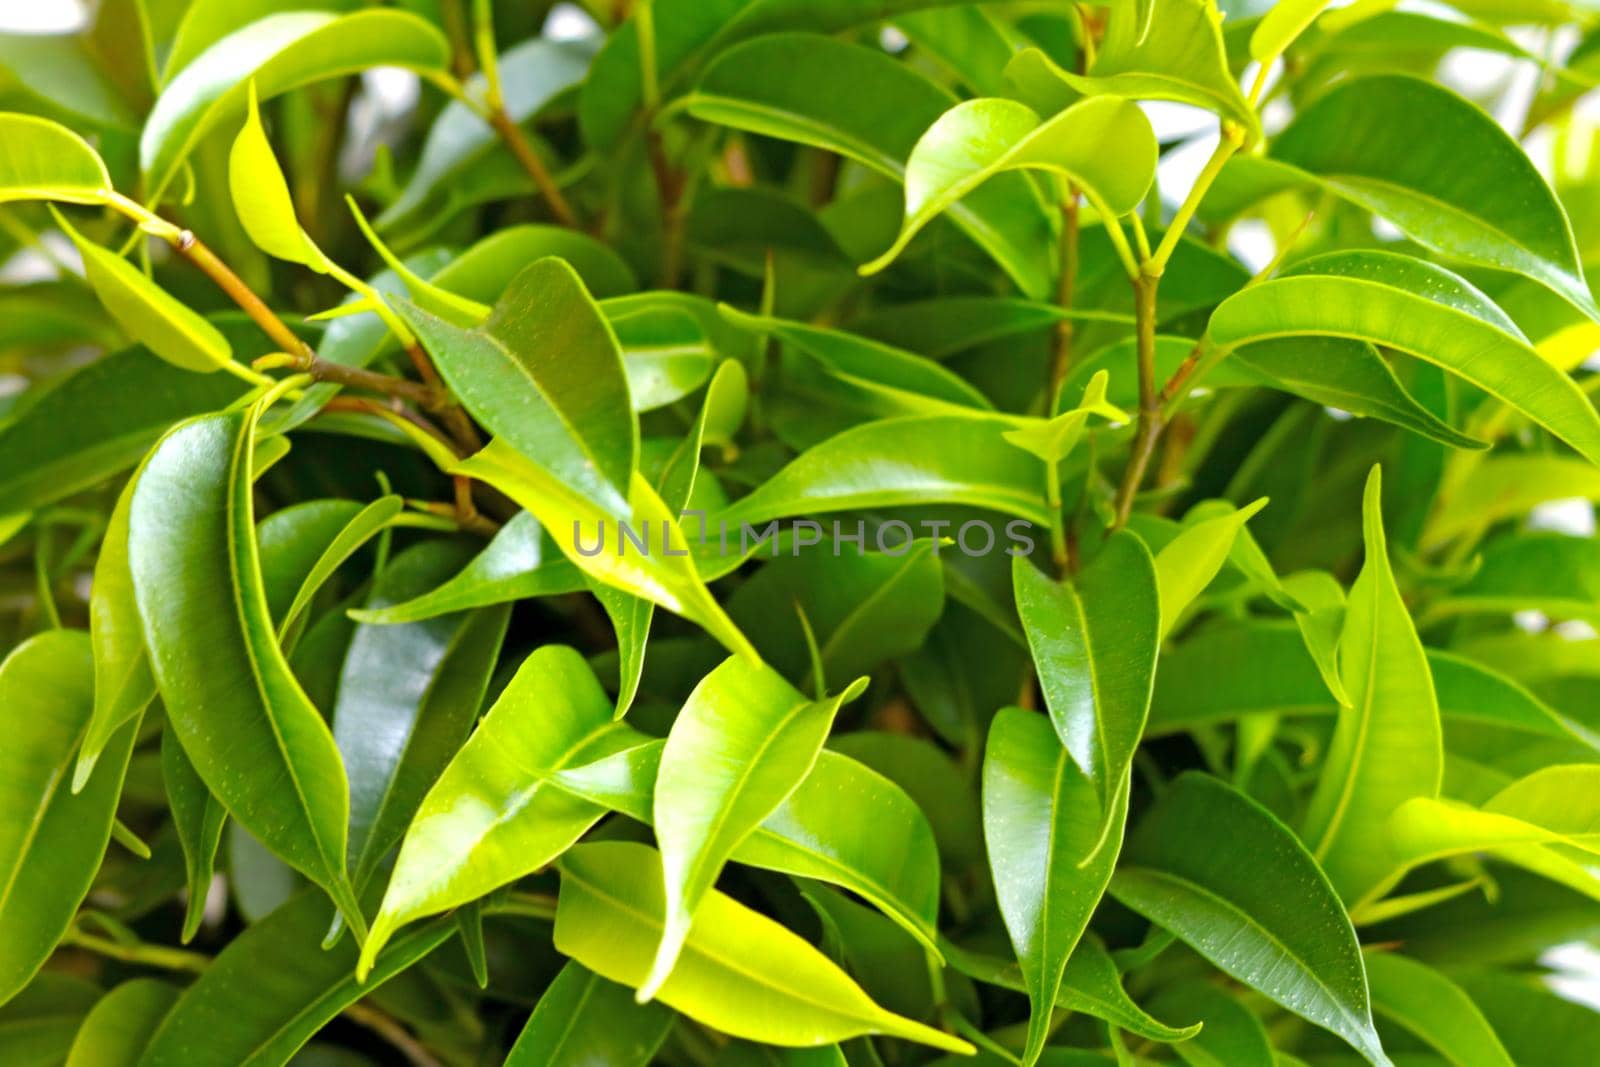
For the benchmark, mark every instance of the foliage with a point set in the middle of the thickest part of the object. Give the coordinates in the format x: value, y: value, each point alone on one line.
x: 798, y: 532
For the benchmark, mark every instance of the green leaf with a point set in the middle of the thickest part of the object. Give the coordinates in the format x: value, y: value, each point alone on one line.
x: 743, y: 741
x: 1252, y: 901
x: 278, y: 53
x: 1090, y: 984
x: 81, y: 431
x: 261, y: 195
x: 662, y: 572
x: 1043, y: 820
x: 116, y: 1030
x: 1103, y: 146
x: 1181, y: 59
x: 492, y: 816
x: 520, y: 563
x: 584, y: 1019
x: 408, y: 697
x: 1279, y: 27
x: 740, y: 972
x: 198, y: 817
x: 855, y: 358
x: 1534, y: 1023
x: 1094, y: 643
x: 544, y: 374
x: 151, y: 315
x: 1191, y: 560
x: 364, y: 525
x: 1435, y: 1009
x: 232, y: 1016
x: 1555, y: 573
x: 1393, y: 145
x: 51, y: 839
x: 1386, y: 748
x: 1503, y: 486
x: 859, y: 102
x: 43, y: 160
x: 37, y: 1026
x: 912, y: 460
x: 1230, y: 1036
x: 252, y: 733
x: 894, y: 862
x: 1423, y: 311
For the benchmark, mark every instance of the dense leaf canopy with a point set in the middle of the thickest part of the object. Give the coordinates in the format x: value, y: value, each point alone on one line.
x: 799, y: 533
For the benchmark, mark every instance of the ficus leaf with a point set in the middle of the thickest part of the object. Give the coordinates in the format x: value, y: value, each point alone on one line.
x: 735, y: 959
x: 582, y: 1019
x: 261, y: 195
x: 43, y: 160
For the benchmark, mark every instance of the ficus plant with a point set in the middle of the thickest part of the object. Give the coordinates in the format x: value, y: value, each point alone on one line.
x: 780, y: 532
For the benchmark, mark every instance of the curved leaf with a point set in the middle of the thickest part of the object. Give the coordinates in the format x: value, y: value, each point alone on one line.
x: 492, y: 816
x: 917, y: 459
x: 1103, y: 145
x: 252, y: 733
x: 198, y: 817
x: 1419, y: 309
x: 860, y: 103
x: 1434, y: 1008
x: 43, y: 160
x: 51, y: 839
x: 116, y: 1030
x: 1188, y: 563
x: 148, y: 313
x: 1043, y: 821
x: 743, y: 741
x: 1094, y: 645
x: 741, y: 972
x: 1393, y: 144
x: 545, y: 375
x: 279, y: 53
x: 582, y: 1019
x: 408, y: 697
x: 261, y: 197
x: 1252, y: 901
x: 232, y: 1017
x: 1386, y: 748
x: 894, y: 862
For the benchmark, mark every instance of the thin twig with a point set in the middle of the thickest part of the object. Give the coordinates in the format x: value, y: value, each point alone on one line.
x: 1149, y: 428
x: 1066, y: 282
x: 520, y: 147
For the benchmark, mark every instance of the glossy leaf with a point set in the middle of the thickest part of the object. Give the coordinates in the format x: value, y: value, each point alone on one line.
x: 408, y: 697
x: 734, y: 960
x: 1378, y: 142
x: 115, y: 1031
x: 43, y: 160
x: 230, y: 1016
x: 1274, y: 922
x: 198, y: 818
x: 151, y: 315
x: 1421, y: 310
x: 912, y: 460
x: 763, y: 735
x: 261, y: 195
x: 894, y: 863
x: 1188, y: 563
x: 276, y: 53
x: 240, y: 696
x: 545, y: 375
x: 584, y: 1019
x: 51, y: 839
x: 491, y: 817
x: 1434, y: 1008
x: 1386, y: 748
x: 857, y: 102
x: 1043, y: 820
x: 978, y: 139
x: 1094, y: 646
x: 1181, y: 58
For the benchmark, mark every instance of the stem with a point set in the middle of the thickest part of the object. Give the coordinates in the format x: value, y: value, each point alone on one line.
x: 669, y: 187
x: 1066, y: 282
x: 1232, y: 140
x: 1058, y: 531
x: 168, y: 959
x: 391, y: 1031
x: 195, y: 251
x: 512, y: 134
x: 1149, y: 429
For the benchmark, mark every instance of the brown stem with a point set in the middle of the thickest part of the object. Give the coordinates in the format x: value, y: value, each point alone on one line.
x: 425, y: 397
x: 1149, y: 428
x: 194, y: 250
x: 1066, y: 282
x: 391, y: 1031
x: 520, y: 147
x: 669, y: 187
